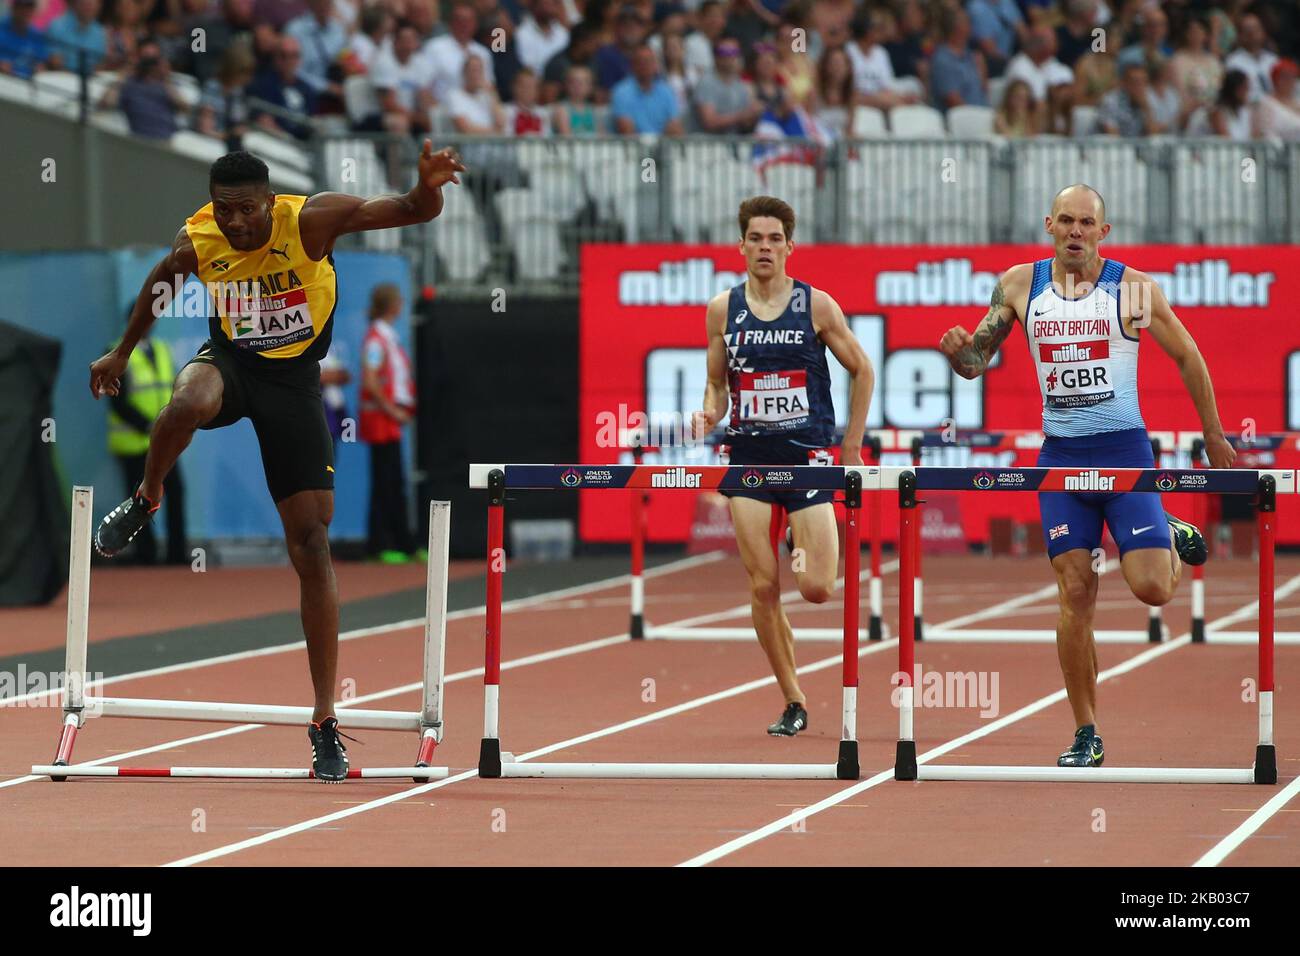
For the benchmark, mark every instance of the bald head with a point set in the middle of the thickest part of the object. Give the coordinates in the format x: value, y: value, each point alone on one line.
x: 1080, y: 191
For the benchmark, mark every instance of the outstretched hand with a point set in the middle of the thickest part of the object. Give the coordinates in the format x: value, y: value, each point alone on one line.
x: 440, y: 168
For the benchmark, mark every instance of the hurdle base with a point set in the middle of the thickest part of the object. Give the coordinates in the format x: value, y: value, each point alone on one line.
x: 1265, y: 764
x: 918, y: 631
x: 874, y: 630
x: 847, y: 768
x: 905, y: 760
x: 1198, y: 630
x: 674, y: 771
x: 1155, y: 631
x: 1085, y: 774
x: 420, y: 774
x: 636, y: 629
x: 489, y: 758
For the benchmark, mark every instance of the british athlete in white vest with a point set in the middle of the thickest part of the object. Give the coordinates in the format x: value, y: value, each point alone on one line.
x: 1085, y: 318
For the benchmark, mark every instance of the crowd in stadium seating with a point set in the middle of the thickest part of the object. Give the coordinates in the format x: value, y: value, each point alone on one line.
x: 779, y: 68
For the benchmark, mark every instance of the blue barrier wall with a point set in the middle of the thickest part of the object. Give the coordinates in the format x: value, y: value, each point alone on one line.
x: 81, y: 299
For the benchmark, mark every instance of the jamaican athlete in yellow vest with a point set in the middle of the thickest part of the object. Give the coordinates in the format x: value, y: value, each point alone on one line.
x: 148, y: 389
x: 271, y: 303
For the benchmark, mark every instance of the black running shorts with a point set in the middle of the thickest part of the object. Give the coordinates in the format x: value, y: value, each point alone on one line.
x: 283, y: 401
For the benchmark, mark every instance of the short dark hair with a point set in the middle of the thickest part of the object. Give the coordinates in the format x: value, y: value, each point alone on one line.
x: 767, y: 206
x: 240, y: 168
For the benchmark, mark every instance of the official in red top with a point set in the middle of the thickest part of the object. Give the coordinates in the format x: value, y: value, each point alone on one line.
x: 387, y: 403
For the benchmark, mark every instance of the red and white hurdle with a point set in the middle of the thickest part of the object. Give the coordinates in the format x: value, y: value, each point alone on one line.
x: 497, y: 479
x: 79, y: 706
x: 1266, y: 485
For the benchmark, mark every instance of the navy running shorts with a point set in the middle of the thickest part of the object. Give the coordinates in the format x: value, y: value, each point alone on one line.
x: 779, y: 451
x: 1074, y: 519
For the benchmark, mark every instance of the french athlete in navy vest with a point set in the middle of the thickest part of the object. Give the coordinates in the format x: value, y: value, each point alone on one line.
x: 767, y: 360
x: 1084, y: 319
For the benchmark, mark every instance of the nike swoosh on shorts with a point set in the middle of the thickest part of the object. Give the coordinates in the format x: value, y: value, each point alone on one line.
x: 1140, y: 530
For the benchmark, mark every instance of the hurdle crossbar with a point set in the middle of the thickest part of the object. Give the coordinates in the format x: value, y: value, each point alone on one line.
x: 1265, y: 485
x: 78, y: 706
x: 498, y: 479
x: 239, y: 773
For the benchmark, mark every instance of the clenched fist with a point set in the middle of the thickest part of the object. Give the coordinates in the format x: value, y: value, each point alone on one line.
x: 954, y: 341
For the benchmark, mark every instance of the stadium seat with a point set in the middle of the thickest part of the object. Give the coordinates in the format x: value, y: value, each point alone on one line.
x: 197, y: 146
x: 1121, y: 175
x: 271, y: 147
x: 1212, y: 202
x: 461, y: 247
x: 111, y: 121
x: 997, y: 86
x: 707, y: 183
x: 14, y: 89
x: 611, y: 171
x: 551, y: 174
x: 1083, y: 121
x: 531, y: 230
x: 59, y: 91
x: 916, y: 122
x: 970, y: 122
x: 869, y: 123
x: 352, y: 166
x: 911, y: 84
x: 359, y: 98
x: 796, y: 183
x: 1041, y: 169
x: 293, y: 182
x: 188, y: 89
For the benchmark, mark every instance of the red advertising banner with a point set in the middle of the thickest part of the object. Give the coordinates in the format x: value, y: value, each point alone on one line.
x: 643, y: 354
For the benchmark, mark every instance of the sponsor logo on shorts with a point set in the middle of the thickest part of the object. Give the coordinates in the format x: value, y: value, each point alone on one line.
x: 675, y: 478
x: 1091, y: 480
x: 1166, y: 482
x: 571, y: 477
x: 751, y: 478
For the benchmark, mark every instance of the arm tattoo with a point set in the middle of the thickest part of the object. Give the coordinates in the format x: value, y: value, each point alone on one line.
x: 992, y: 332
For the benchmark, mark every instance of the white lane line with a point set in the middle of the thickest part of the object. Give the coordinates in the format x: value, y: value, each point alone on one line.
x: 786, y: 598
x: 1251, y: 610
x: 1247, y: 829
x: 666, y: 712
x: 223, y: 851
x: 776, y: 826
x: 516, y: 604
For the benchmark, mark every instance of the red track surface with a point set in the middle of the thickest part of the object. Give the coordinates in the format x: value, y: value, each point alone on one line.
x: 1180, y: 708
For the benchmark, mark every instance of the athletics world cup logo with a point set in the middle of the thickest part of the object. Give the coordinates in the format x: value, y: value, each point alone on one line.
x: 1166, y: 482
x: 751, y: 479
x: 983, y: 480
x: 571, y: 477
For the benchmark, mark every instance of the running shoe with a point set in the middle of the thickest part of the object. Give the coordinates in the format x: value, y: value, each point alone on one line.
x: 394, y: 557
x: 1086, y: 750
x: 793, y: 720
x: 329, y: 758
x: 1188, y: 541
x: 122, y: 524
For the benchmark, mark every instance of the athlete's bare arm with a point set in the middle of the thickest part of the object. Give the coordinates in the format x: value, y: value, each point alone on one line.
x: 1142, y: 299
x: 833, y: 330
x: 170, y: 272
x: 969, y: 355
x: 715, y: 392
x: 326, y: 216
